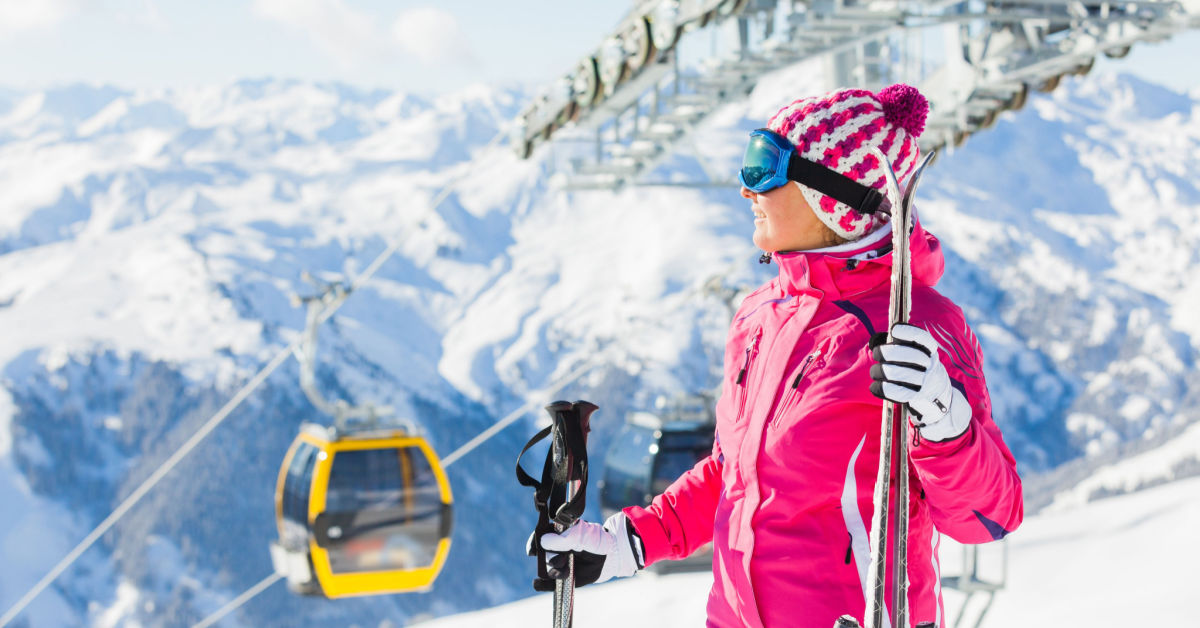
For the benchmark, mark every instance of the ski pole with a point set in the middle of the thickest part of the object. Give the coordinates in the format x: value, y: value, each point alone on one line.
x: 563, y: 419
x: 571, y: 466
x: 564, y: 590
x: 561, y: 494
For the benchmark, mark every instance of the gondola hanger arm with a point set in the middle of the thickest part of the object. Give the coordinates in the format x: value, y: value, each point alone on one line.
x: 320, y: 307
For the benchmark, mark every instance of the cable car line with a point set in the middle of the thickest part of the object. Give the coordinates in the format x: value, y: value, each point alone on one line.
x: 346, y: 500
x: 365, y: 508
x: 148, y: 484
x: 220, y: 416
x: 346, y: 495
x: 536, y: 400
x: 233, y: 604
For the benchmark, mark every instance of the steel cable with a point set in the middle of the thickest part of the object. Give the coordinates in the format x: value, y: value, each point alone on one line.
x: 537, y: 399
x: 213, y: 422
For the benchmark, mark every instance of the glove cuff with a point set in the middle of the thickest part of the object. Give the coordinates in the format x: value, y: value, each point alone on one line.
x: 639, y: 549
x: 620, y: 527
x: 949, y: 425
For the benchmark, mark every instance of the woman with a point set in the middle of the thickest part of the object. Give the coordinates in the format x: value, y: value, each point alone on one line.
x: 786, y: 496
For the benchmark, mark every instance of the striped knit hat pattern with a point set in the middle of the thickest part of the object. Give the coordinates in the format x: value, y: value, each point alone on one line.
x: 838, y: 130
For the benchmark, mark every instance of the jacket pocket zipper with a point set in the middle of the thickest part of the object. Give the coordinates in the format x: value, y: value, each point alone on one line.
x: 791, y: 392
x: 744, y: 374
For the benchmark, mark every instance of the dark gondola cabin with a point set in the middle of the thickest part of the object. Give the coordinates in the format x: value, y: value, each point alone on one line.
x: 649, y: 453
x: 361, y: 513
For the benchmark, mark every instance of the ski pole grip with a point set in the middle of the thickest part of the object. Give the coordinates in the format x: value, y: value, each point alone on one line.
x: 585, y: 410
x: 567, y: 466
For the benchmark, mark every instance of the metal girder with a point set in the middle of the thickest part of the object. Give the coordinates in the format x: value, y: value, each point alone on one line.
x: 640, y: 113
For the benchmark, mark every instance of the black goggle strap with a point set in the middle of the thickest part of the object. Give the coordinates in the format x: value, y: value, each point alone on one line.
x: 864, y: 199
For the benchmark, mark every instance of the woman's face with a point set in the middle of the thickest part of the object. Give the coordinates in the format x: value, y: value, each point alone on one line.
x: 784, y: 221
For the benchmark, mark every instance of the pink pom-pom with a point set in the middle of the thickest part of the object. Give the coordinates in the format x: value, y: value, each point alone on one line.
x: 904, y: 107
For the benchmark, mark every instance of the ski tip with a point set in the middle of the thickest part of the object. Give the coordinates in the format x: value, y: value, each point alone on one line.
x: 925, y: 161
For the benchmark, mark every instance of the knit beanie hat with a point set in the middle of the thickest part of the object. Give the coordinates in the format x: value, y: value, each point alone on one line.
x: 838, y: 130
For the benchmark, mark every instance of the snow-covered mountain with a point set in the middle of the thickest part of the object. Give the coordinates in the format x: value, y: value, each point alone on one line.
x: 150, y: 242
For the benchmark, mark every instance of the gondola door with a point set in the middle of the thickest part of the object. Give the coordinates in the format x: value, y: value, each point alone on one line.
x: 380, y: 515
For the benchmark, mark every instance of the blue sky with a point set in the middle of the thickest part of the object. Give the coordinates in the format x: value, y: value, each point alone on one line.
x: 420, y: 46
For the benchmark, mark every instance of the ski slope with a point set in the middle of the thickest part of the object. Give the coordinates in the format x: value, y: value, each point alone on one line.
x: 1113, y: 563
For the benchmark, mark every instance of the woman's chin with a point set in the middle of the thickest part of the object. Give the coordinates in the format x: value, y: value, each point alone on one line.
x: 762, y: 241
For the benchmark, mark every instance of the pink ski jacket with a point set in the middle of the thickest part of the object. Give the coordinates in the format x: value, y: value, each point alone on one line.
x: 786, y: 496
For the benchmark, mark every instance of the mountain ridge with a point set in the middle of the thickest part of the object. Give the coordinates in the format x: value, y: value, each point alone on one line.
x: 150, y: 245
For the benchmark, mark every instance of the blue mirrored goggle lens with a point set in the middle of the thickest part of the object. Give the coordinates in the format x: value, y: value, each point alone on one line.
x: 760, y: 161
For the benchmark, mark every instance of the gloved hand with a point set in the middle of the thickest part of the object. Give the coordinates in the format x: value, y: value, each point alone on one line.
x: 909, y: 371
x: 613, y: 550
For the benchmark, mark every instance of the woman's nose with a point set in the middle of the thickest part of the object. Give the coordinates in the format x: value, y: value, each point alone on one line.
x: 746, y: 193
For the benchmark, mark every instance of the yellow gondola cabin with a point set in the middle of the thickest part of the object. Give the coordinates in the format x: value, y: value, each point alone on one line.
x: 361, y: 513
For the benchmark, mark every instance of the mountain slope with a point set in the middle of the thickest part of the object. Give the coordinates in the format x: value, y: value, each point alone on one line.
x: 150, y: 242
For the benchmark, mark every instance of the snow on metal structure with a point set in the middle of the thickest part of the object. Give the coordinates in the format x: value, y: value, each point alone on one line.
x: 973, y: 58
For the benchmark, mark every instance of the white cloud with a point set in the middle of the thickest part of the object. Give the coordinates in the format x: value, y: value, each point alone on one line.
x: 146, y: 14
x: 348, y: 35
x: 433, y: 36
x: 23, y: 15
x: 429, y: 35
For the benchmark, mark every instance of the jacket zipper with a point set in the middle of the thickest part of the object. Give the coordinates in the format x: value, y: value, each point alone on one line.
x: 751, y: 351
x: 787, y: 399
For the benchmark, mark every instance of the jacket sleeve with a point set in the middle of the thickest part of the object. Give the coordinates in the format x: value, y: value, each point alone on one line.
x: 680, y: 521
x: 970, y: 483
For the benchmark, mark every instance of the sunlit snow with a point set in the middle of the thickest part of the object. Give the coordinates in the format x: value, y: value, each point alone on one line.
x: 1118, y: 562
x: 151, y: 241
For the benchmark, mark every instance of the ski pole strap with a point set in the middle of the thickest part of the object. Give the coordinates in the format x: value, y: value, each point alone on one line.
x: 569, y: 444
x: 566, y: 462
x: 541, y: 500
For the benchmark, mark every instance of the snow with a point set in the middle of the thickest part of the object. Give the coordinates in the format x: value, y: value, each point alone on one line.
x: 149, y: 294
x: 1118, y: 562
x: 1145, y: 469
x: 565, y: 275
x: 6, y: 413
x: 1123, y: 561
x: 173, y: 226
x: 113, y: 616
x: 34, y: 534
x: 644, y: 600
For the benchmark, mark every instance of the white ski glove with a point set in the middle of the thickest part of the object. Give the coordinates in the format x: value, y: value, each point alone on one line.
x: 613, y: 550
x: 909, y: 371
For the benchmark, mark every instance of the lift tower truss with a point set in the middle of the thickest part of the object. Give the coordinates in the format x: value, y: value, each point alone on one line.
x: 639, y: 95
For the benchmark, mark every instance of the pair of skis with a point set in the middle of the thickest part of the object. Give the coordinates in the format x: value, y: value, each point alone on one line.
x: 893, y: 448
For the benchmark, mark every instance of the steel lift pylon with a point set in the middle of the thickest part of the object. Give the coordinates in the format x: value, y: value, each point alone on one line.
x: 633, y: 103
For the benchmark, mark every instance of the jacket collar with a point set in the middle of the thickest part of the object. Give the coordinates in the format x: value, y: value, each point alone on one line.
x: 843, y: 271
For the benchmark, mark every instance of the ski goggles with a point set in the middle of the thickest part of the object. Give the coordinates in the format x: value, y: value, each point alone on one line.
x: 771, y: 161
